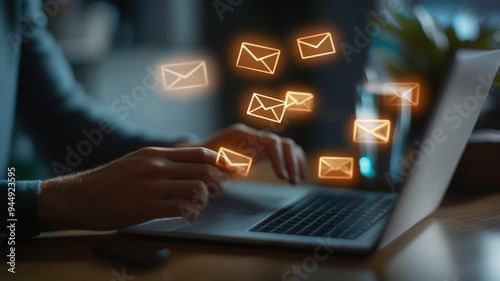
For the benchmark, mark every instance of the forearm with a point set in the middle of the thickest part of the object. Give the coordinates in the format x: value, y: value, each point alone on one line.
x: 54, y: 208
x: 22, y: 197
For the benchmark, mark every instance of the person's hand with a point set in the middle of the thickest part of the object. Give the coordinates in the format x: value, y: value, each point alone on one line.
x: 287, y: 158
x: 147, y: 184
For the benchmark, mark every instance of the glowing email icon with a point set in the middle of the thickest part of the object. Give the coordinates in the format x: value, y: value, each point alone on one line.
x: 296, y: 101
x: 316, y: 45
x: 234, y: 161
x: 266, y: 108
x: 258, y: 58
x: 335, y: 167
x: 371, y: 131
x: 403, y: 94
x: 184, y: 75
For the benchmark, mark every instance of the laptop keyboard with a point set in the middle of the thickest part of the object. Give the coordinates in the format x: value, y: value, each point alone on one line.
x: 324, y: 214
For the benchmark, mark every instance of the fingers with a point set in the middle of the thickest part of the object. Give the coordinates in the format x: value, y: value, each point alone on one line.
x: 185, y: 164
x: 301, y: 155
x: 287, y: 158
x: 291, y: 160
x: 197, y: 163
x: 274, y: 150
x: 184, y: 154
x: 214, y: 179
x: 192, y: 155
x: 295, y: 161
x: 193, y: 190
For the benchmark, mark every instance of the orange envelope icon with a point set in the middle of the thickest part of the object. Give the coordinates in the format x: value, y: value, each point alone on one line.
x: 403, y: 94
x: 258, y: 58
x: 234, y: 161
x: 184, y: 75
x: 335, y: 167
x: 266, y: 108
x: 371, y: 131
x: 297, y: 101
x: 316, y: 45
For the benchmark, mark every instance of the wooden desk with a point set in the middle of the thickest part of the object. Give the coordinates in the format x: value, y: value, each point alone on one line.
x: 460, y: 241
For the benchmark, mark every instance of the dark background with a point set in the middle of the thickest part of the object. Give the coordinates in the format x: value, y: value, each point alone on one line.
x: 112, y: 44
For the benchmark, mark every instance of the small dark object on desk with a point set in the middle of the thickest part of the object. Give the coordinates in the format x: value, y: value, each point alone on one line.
x: 136, y: 254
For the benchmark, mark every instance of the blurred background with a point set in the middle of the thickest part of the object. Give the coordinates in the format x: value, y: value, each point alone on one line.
x: 114, y: 45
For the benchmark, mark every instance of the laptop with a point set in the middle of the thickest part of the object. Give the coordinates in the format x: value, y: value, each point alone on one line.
x: 346, y: 220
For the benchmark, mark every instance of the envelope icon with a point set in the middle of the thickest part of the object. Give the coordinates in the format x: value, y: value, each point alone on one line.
x: 403, y: 94
x: 266, y: 108
x: 335, y: 167
x: 184, y: 75
x: 316, y: 45
x: 371, y: 131
x: 258, y: 58
x: 234, y: 161
x: 297, y: 101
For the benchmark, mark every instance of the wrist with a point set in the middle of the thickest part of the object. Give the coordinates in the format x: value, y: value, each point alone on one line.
x: 52, y: 211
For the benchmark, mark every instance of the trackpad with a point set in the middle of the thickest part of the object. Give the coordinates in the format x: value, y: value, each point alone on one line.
x: 242, y: 204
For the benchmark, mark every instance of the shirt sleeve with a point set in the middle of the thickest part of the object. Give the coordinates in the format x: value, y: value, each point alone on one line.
x: 22, y: 219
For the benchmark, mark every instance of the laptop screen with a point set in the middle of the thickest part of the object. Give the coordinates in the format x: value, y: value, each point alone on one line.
x: 434, y: 159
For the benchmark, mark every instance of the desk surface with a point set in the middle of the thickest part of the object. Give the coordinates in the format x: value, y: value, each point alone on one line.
x: 460, y: 241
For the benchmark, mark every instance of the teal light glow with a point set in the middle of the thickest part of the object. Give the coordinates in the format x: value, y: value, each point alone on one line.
x: 366, y: 167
